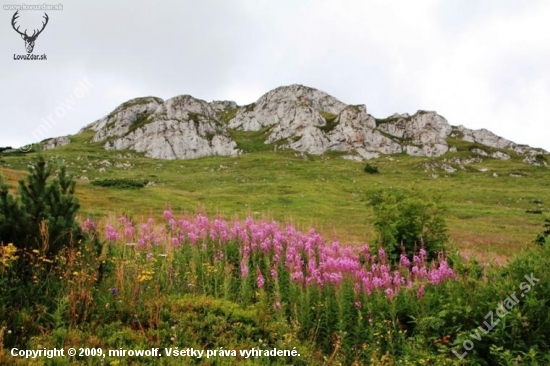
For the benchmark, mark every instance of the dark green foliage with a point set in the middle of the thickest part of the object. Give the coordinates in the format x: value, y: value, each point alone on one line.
x: 120, y: 183
x: 139, y: 122
x: 43, y: 215
x: 195, y: 117
x: 331, y: 121
x: 17, y: 152
x: 543, y: 236
x: 406, y: 222
x: 228, y: 114
x: 40, y: 222
x: 371, y: 169
x: 541, y: 159
x: 252, y: 141
x: 249, y: 107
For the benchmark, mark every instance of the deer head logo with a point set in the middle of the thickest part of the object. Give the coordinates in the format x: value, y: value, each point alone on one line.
x: 29, y: 40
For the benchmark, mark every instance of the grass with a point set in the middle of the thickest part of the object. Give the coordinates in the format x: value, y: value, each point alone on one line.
x: 228, y: 114
x: 331, y: 121
x: 124, y: 292
x: 486, y: 214
x: 140, y: 122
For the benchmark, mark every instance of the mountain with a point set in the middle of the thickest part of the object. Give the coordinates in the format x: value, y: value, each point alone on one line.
x: 289, y: 117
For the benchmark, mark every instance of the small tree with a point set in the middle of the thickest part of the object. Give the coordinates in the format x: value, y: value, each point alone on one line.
x: 38, y: 231
x: 408, y: 222
x: 43, y: 216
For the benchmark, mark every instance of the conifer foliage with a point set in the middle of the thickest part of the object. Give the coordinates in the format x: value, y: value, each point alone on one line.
x: 43, y: 214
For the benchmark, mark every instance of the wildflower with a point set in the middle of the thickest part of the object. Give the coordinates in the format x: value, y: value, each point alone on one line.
x: 260, y: 278
x: 7, y: 254
x: 422, y: 253
x: 168, y: 215
x: 404, y: 261
x: 146, y: 276
x: 297, y: 276
x: 129, y: 231
x: 244, y: 268
x: 111, y: 233
x: 382, y: 254
x: 420, y: 292
x: 114, y: 291
x: 89, y: 225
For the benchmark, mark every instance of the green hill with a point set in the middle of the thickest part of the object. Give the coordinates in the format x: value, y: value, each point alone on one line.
x: 494, y: 206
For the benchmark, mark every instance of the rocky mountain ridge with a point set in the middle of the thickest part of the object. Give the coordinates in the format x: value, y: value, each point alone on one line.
x: 289, y: 117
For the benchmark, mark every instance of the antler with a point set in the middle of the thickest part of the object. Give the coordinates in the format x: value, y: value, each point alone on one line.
x: 34, y: 34
x: 15, y: 16
x: 43, y: 26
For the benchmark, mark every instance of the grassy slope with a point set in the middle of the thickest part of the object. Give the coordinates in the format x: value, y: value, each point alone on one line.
x: 486, y: 214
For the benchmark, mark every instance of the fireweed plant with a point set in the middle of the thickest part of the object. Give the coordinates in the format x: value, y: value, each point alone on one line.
x: 329, y: 291
x: 209, y: 283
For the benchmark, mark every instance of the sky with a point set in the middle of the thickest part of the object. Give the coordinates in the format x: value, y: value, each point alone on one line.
x: 478, y: 63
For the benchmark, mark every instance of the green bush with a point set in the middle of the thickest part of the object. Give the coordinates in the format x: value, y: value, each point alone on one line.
x: 405, y: 222
x: 120, y: 183
x: 371, y: 169
x: 543, y: 236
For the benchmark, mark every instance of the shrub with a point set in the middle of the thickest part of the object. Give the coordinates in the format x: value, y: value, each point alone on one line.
x: 120, y: 183
x: 406, y: 222
x: 371, y: 169
x: 544, y: 234
x: 541, y: 159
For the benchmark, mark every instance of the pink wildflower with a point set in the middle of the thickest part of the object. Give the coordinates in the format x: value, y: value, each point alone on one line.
x: 259, y: 278
x: 420, y: 292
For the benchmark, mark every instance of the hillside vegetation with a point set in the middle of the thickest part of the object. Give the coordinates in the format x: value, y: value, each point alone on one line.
x: 493, y: 206
x: 139, y: 268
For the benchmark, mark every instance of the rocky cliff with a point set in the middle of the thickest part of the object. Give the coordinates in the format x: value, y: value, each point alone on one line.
x: 292, y: 117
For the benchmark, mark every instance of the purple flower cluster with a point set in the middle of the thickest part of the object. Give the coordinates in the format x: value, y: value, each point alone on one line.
x: 307, y: 258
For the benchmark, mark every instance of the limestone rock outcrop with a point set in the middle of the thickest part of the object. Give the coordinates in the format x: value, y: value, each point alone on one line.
x: 56, y: 142
x: 289, y: 117
x: 179, y: 128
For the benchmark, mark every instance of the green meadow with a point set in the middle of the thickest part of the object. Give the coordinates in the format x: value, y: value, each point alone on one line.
x: 486, y: 214
x: 217, y: 254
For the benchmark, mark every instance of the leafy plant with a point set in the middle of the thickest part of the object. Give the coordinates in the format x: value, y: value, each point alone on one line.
x: 371, y: 169
x: 543, y: 236
x: 406, y: 222
x: 120, y: 183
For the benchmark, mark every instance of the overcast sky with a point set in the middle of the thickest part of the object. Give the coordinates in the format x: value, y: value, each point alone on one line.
x: 481, y: 64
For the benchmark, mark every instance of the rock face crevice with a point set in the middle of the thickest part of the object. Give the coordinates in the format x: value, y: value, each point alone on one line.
x: 293, y: 117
